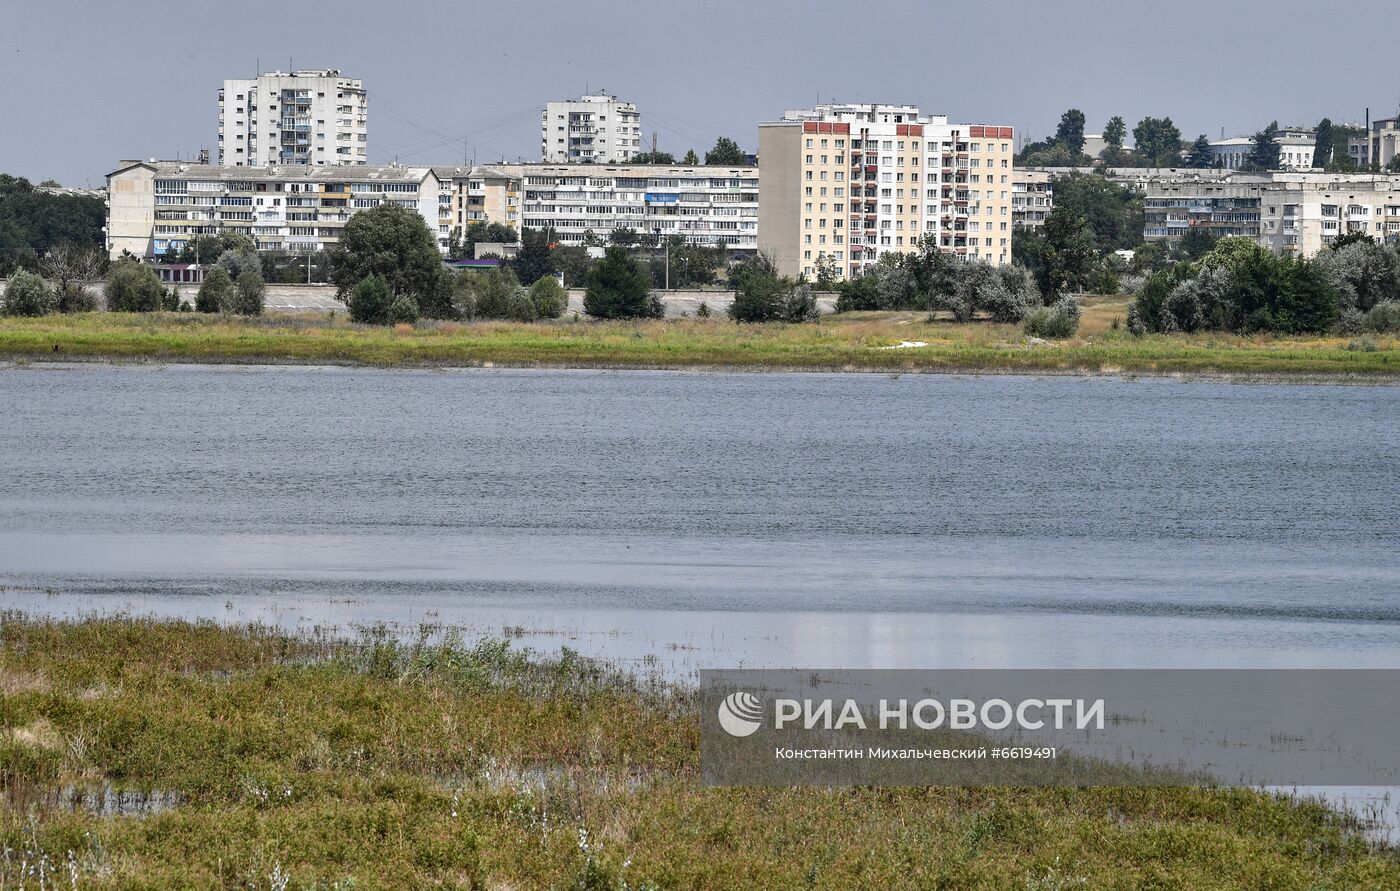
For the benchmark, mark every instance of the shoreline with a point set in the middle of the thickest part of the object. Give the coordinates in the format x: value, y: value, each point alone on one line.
x: 13, y: 361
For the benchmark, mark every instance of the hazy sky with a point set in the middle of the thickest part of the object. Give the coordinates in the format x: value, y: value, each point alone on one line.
x: 83, y: 85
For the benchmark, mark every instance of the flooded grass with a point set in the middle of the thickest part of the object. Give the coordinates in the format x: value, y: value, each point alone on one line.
x: 162, y: 753
x: 907, y: 342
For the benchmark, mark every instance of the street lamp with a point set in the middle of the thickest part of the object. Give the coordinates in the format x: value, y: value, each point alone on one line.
x: 657, y: 229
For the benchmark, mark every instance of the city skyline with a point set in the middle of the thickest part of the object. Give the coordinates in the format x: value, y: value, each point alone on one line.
x: 713, y: 77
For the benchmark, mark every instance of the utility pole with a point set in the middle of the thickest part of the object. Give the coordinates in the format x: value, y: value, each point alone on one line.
x: 308, y: 267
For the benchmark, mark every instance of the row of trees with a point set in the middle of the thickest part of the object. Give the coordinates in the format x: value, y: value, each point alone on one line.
x: 1239, y: 286
x: 726, y: 153
x: 33, y: 222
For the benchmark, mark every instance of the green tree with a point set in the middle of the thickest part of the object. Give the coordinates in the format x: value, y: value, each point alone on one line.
x: 1113, y: 210
x: 691, y: 159
x: 618, y: 288
x: 549, y: 297
x: 1322, y: 151
x: 1070, y: 132
x: 828, y: 272
x: 1114, y: 131
x: 572, y: 260
x: 1070, y: 257
x: 482, y: 232
x: 370, y: 300
x: 403, y: 310
x: 32, y: 223
x: 248, y: 299
x: 726, y: 153
x: 1158, y: 142
x: 1199, y: 155
x: 492, y: 291
x: 393, y: 243
x: 1393, y: 166
x: 27, y: 295
x: 535, y: 260
x: 654, y: 158
x: 71, y: 267
x: 132, y: 286
x: 216, y: 292
x: 1265, y: 154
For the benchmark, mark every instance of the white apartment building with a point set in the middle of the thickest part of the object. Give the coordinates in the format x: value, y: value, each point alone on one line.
x: 849, y: 183
x: 315, y: 117
x: 1288, y: 213
x: 469, y: 195
x: 1295, y: 150
x: 712, y: 206
x: 593, y: 129
x: 156, y: 206
x: 1032, y: 197
x: 1380, y: 146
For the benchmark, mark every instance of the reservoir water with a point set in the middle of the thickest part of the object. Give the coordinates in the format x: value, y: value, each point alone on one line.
x: 693, y: 519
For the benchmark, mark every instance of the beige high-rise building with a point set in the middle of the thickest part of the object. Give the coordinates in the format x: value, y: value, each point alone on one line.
x: 315, y: 117
x: 848, y: 183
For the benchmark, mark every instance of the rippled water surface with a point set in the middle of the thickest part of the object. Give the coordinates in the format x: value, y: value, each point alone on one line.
x: 720, y: 519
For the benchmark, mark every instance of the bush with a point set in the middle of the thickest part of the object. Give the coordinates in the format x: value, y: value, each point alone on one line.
x: 370, y: 301
x: 215, y: 293
x: 1054, y: 322
x: 27, y: 295
x: 491, y: 292
x: 402, y: 309
x: 393, y: 244
x: 549, y: 297
x: 1363, y: 272
x: 248, y: 297
x: 1384, y: 318
x: 520, y: 307
x: 133, y: 286
x: 73, y: 297
x: 703, y: 310
x: 619, y: 289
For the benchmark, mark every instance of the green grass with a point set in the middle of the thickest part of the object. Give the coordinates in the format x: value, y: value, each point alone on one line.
x: 371, y: 764
x: 848, y: 342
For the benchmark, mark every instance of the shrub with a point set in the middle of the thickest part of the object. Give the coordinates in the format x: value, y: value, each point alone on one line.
x: 133, y: 286
x: 403, y: 308
x: 549, y: 297
x: 170, y: 299
x: 370, y: 301
x: 27, y: 295
x: 1054, y: 322
x: 619, y: 289
x: 215, y: 292
x: 1384, y: 318
x: 492, y: 292
x: 520, y: 307
x: 248, y: 297
x: 73, y: 297
x: 703, y: 310
x: 1363, y: 272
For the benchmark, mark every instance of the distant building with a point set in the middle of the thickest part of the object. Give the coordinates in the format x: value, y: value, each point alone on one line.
x: 849, y: 183
x: 157, y: 206
x: 593, y: 129
x: 1288, y: 213
x: 1378, y: 147
x: 1296, y: 148
x: 467, y: 195
x: 315, y: 117
x: 1032, y: 197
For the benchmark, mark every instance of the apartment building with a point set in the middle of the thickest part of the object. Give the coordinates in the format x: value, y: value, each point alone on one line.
x: 852, y: 182
x: 315, y: 117
x: 1032, y: 197
x: 469, y: 195
x: 1379, y: 146
x: 1296, y: 147
x: 712, y: 206
x: 592, y: 129
x: 156, y: 206
x: 1288, y: 213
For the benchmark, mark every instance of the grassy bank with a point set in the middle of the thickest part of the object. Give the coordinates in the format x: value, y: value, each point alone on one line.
x: 863, y: 341
x: 251, y: 759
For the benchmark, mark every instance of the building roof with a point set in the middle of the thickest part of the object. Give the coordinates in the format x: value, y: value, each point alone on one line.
x: 305, y: 172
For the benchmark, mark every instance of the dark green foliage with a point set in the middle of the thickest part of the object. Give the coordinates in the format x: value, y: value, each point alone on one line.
x: 491, y: 292
x: 691, y: 159
x: 73, y: 297
x: 1157, y: 143
x: 207, y: 249
x: 1265, y: 154
x: 573, y: 261
x: 534, y: 261
x: 1200, y: 155
x: 216, y: 292
x: 27, y: 295
x: 549, y: 298
x: 1323, y: 143
x: 1384, y: 318
x: 133, y: 286
x: 1055, y: 322
x: 703, y: 310
x: 370, y: 301
x: 726, y: 153
x: 1113, y: 132
x: 463, y: 245
x: 1114, y: 211
x: 33, y: 222
x: 761, y: 295
x: 654, y: 158
x: 1196, y: 243
x: 394, y: 244
x: 248, y: 296
x: 1070, y: 132
x: 403, y: 310
x: 520, y: 307
x: 618, y: 288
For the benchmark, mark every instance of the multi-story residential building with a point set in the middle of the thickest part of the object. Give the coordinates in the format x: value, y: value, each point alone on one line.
x: 848, y: 183
x: 1032, y: 197
x: 156, y: 206
x: 713, y: 206
x: 593, y: 129
x: 1380, y: 146
x: 315, y: 117
x: 476, y: 195
x: 1289, y: 213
